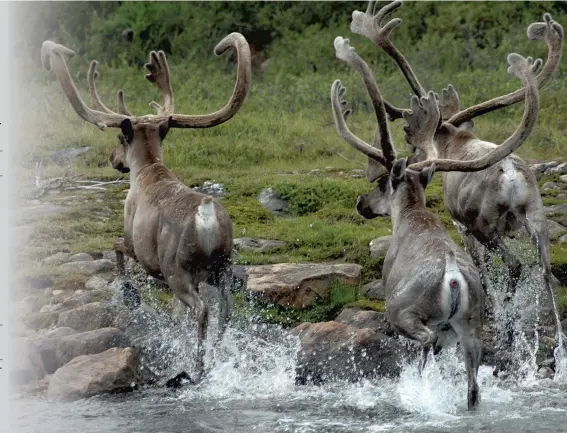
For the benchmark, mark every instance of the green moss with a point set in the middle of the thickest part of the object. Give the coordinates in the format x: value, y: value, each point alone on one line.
x: 367, y: 304
x: 562, y: 302
x: 559, y: 262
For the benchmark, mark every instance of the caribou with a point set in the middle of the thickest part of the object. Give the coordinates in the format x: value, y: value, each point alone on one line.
x: 486, y: 205
x: 178, y: 235
x: 433, y: 289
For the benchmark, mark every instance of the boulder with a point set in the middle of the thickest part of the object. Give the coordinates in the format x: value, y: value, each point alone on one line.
x: 56, y: 259
x: 87, y: 317
x: 555, y: 209
x: 85, y: 376
x: 272, y: 202
x: 562, y: 240
x: 47, y: 346
x: 298, y: 285
x: 379, y: 246
x: 333, y: 350
x: 87, y: 267
x: 98, y: 283
x: 29, y: 304
x: 40, y: 320
x: 257, y: 245
x: 556, y: 230
x: 373, y: 290
x: 80, y: 257
x: 25, y: 362
x: 89, y: 343
x: 363, y: 319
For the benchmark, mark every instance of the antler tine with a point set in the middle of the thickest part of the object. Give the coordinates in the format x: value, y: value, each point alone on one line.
x: 340, y: 113
x: 549, y: 31
x: 422, y: 123
x: 92, y: 75
x: 239, y: 93
x: 53, y: 57
x: 382, y: 138
x: 371, y: 26
x: 450, y: 103
x: 121, y: 105
x: 525, y: 69
x: 159, y: 75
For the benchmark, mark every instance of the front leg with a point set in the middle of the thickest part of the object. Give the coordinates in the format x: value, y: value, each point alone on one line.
x: 130, y: 293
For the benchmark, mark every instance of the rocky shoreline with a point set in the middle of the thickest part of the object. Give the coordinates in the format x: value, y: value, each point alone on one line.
x: 74, y: 340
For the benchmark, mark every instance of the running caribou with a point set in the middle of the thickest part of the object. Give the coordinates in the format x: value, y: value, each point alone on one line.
x: 433, y: 289
x: 485, y: 205
x: 178, y: 235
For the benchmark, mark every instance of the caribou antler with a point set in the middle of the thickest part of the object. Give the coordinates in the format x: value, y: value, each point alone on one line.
x: 159, y: 75
x: 523, y: 68
x: 54, y: 57
x: 371, y: 25
x: 549, y: 31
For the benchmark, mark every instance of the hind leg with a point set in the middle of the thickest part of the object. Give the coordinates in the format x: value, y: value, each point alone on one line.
x: 224, y: 283
x: 186, y: 290
x: 410, y: 325
x: 494, y: 244
x: 469, y: 332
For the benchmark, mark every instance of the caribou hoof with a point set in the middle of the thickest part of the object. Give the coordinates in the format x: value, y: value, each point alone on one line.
x: 130, y: 295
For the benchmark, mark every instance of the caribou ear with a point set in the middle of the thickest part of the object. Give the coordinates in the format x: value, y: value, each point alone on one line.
x: 426, y: 174
x: 127, y: 130
x: 398, y: 172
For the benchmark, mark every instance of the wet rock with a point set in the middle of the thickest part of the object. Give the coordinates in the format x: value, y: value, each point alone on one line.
x: 362, y: 318
x: 87, y: 317
x: 40, y: 320
x: 67, y: 155
x: 560, y: 168
x: 178, y: 381
x: 89, y: 343
x: 373, y: 290
x: 379, y: 246
x: 26, y: 364
x: 98, y: 283
x: 47, y: 347
x: 111, y: 371
x: 56, y: 259
x: 564, y: 326
x: 30, y: 304
x: 562, y: 240
x: 563, y: 178
x: 109, y: 255
x: 87, y: 267
x: 272, y: 202
x: 298, y: 285
x: 80, y: 257
x: 211, y: 188
x: 257, y: 245
x: 556, y: 230
x: 333, y: 350
x: 545, y: 373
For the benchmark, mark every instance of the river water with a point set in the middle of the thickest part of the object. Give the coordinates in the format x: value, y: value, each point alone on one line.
x: 251, y: 388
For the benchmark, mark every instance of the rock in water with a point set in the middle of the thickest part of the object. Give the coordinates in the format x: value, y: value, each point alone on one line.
x: 89, y: 375
x: 332, y: 350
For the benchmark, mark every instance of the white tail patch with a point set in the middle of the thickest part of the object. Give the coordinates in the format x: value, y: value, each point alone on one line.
x: 207, y: 225
x: 454, y: 287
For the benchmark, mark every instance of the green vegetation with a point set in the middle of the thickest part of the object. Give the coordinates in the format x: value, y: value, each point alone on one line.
x: 285, y: 128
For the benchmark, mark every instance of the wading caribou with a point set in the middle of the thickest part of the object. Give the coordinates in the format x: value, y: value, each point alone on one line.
x: 433, y: 289
x: 486, y: 205
x: 178, y: 235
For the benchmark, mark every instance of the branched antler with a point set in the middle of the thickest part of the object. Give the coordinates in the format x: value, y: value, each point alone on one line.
x: 159, y: 75
x: 422, y: 123
x: 371, y: 25
x: 549, y: 31
x: 525, y: 69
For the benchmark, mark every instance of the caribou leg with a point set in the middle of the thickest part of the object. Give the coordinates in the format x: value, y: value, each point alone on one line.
x: 224, y: 283
x: 129, y: 292
x: 186, y: 290
x: 472, y: 352
x: 411, y: 326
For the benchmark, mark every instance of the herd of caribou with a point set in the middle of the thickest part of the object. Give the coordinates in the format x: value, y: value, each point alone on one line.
x: 435, y: 291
